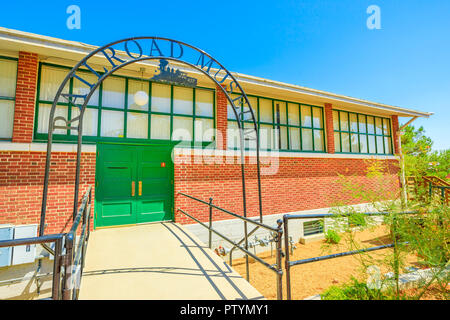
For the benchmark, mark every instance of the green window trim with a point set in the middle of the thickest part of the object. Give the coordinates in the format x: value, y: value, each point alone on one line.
x: 6, y: 98
x: 366, y: 134
x: 71, y: 138
x: 287, y: 125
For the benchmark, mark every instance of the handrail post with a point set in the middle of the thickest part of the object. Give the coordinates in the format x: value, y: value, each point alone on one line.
x: 396, y: 256
x: 57, y: 270
x: 210, y: 222
x: 279, y: 260
x: 231, y: 257
x: 287, y: 266
x: 84, y: 240
x: 430, y: 190
x: 88, y: 231
x: 87, y: 226
x: 68, y: 266
x: 247, y: 266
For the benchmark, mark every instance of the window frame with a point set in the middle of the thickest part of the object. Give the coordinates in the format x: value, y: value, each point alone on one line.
x: 366, y: 133
x: 71, y: 138
x: 3, y: 98
x: 274, y: 125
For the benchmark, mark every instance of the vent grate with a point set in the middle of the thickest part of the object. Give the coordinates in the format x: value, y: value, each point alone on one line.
x: 312, y: 227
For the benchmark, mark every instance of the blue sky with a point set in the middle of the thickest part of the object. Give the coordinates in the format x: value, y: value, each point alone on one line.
x: 324, y: 45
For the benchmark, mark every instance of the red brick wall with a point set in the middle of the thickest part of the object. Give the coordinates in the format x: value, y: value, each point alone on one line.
x: 329, y: 127
x: 221, y: 119
x: 21, y: 180
x: 395, y: 128
x: 25, y: 97
x: 300, y: 184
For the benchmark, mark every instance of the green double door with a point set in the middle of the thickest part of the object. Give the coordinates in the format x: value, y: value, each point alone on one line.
x: 134, y: 184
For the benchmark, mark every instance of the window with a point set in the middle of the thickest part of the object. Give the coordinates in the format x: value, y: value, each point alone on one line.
x: 172, y: 112
x: 8, y: 75
x: 359, y: 133
x: 283, y: 125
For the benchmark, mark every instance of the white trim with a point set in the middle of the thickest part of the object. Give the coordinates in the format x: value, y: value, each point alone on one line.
x: 263, y: 154
x: 42, y: 147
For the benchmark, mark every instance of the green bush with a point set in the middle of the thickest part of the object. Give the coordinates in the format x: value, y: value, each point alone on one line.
x: 331, y: 236
x: 357, y: 220
x: 334, y: 293
x: 354, y: 291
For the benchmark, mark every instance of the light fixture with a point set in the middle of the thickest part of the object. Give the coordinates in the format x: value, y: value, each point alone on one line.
x: 141, y: 97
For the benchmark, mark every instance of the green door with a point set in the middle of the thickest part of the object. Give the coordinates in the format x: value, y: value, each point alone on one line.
x: 134, y: 184
x: 155, y: 181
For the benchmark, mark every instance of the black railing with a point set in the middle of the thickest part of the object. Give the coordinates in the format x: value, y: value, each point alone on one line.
x: 239, y: 243
x: 443, y: 191
x: 69, y: 252
x: 277, y: 267
x: 76, y: 246
x: 289, y: 264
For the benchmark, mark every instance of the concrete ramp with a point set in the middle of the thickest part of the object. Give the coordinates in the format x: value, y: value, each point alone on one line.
x: 157, y: 261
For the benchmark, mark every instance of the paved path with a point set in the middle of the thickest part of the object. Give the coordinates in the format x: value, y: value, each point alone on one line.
x: 157, y: 261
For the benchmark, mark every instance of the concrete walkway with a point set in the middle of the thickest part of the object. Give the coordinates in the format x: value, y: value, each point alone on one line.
x: 157, y: 261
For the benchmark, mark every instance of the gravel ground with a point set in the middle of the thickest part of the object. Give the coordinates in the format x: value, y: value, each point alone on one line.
x: 314, y: 278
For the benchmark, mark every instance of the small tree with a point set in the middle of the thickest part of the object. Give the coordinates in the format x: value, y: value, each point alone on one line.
x: 416, y: 149
x: 439, y: 164
x: 425, y: 233
x: 420, y: 160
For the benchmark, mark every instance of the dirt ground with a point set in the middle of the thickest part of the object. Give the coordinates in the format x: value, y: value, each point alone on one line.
x: 314, y: 278
x: 433, y: 293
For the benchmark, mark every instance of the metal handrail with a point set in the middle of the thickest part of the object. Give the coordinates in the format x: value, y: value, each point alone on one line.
x: 340, y: 254
x: 339, y: 215
x: 230, y: 254
x: 231, y: 213
x: 435, y: 179
x: 76, y: 253
x: 63, y: 253
x: 268, y: 265
x: 442, y: 188
x: 28, y: 241
x: 52, y: 238
x: 289, y: 264
x: 277, y: 267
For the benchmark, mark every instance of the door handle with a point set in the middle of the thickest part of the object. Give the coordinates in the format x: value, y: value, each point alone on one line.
x: 140, y: 188
x: 132, y: 188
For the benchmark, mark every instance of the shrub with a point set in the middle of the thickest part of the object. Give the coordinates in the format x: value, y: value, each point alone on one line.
x: 357, y: 220
x: 354, y: 291
x: 331, y: 236
x: 334, y: 293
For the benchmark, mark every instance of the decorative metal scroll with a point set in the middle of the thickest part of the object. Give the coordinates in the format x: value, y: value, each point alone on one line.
x: 127, y: 51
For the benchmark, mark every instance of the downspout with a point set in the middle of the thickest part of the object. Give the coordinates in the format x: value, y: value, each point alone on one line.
x: 402, y: 159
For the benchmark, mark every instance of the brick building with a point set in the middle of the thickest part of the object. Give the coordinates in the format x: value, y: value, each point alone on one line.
x: 308, y: 137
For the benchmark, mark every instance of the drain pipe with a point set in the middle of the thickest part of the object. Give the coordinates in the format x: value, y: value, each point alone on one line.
x: 402, y: 158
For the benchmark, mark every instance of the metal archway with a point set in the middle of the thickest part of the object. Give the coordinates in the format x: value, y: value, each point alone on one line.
x: 185, y: 54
